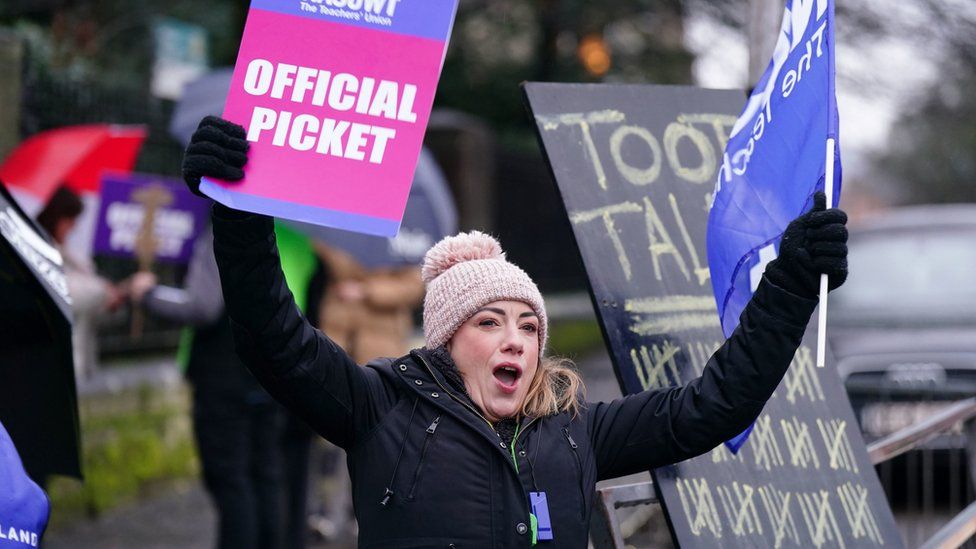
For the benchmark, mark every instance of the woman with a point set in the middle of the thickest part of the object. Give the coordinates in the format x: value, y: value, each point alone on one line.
x: 92, y: 296
x: 447, y: 445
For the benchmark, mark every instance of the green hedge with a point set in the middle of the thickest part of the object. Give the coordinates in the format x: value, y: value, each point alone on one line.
x: 131, y: 442
x: 574, y: 339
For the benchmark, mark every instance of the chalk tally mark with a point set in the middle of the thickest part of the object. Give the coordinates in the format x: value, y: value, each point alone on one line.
x: 802, y: 380
x: 700, y: 353
x: 655, y: 365
x: 779, y: 510
x: 818, y: 515
x: 740, y: 508
x: 854, y: 499
x: 799, y: 445
x: 765, y: 445
x: 699, y: 506
x: 839, y: 450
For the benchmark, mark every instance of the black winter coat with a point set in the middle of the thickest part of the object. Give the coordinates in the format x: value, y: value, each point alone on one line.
x: 427, y: 470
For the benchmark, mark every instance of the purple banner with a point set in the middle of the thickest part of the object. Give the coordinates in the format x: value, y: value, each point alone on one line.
x: 178, y: 217
x: 421, y: 18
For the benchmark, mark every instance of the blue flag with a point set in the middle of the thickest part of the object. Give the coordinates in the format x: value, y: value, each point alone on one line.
x: 24, y: 508
x: 775, y: 159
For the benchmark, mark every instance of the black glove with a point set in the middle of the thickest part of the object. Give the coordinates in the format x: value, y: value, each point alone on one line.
x: 814, y: 243
x: 217, y: 149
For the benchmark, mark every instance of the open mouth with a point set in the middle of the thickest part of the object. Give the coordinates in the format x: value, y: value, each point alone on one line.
x: 507, y: 375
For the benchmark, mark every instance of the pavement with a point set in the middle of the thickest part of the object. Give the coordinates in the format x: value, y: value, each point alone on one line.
x: 181, y: 516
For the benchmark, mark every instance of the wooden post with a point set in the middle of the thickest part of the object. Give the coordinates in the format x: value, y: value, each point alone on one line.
x: 152, y: 198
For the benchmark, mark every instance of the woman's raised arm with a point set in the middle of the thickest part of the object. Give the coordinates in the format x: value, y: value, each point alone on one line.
x: 659, y: 427
x: 296, y: 363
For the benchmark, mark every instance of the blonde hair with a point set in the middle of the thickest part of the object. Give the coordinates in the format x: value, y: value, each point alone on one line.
x: 557, y: 387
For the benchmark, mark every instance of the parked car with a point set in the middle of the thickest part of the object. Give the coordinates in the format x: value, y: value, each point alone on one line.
x: 903, y: 327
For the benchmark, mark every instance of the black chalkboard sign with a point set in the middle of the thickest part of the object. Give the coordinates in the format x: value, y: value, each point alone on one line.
x: 636, y: 165
x: 38, y: 402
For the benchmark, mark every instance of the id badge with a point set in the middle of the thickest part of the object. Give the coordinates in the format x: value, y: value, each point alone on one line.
x: 540, y: 508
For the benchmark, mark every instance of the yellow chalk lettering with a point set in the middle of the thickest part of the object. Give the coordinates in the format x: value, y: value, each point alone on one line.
x: 721, y: 124
x: 635, y: 175
x: 702, y: 273
x: 671, y: 304
x: 673, y: 135
x: 606, y: 213
x: 683, y: 322
x: 584, y: 121
x: 660, y: 242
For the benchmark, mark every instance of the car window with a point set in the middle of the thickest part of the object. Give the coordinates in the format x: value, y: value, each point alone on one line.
x: 932, y: 272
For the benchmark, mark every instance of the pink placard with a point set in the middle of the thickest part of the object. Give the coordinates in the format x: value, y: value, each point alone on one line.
x: 335, y: 110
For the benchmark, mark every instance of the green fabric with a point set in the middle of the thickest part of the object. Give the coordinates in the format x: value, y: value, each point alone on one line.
x: 534, y: 524
x: 183, y: 350
x: 298, y: 261
x: 512, y: 447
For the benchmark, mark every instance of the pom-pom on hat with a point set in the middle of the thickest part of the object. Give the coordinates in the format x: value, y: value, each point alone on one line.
x: 466, y: 272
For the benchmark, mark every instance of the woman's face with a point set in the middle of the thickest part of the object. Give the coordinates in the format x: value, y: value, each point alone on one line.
x: 497, y: 352
x: 63, y: 228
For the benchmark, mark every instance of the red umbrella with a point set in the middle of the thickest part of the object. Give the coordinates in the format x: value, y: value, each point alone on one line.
x: 76, y: 155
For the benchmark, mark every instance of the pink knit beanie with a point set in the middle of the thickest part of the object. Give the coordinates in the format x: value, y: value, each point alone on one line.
x: 466, y: 272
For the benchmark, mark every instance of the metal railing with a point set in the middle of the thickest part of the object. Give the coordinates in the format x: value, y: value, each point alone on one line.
x: 959, y: 530
x: 605, y: 525
x: 915, y: 435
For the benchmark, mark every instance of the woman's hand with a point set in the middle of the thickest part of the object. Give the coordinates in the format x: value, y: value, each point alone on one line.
x: 115, y: 296
x: 814, y: 243
x: 140, y: 284
x: 217, y: 149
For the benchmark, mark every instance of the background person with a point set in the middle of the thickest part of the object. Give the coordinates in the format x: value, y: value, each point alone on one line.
x: 369, y: 311
x: 92, y: 296
x: 236, y: 423
x: 453, y: 443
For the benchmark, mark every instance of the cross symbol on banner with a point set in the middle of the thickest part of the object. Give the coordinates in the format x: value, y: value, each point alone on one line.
x: 766, y: 255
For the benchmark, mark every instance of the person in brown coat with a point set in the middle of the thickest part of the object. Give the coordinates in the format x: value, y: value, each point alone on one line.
x: 368, y: 313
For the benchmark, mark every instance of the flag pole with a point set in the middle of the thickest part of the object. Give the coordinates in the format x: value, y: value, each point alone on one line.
x: 822, y: 316
x: 829, y: 177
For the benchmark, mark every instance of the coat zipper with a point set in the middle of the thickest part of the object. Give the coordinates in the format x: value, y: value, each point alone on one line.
x: 490, y: 426
x: 469, y: 407
x: 452, y: 395
x: 579, y: 466
x: 423, y: 453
